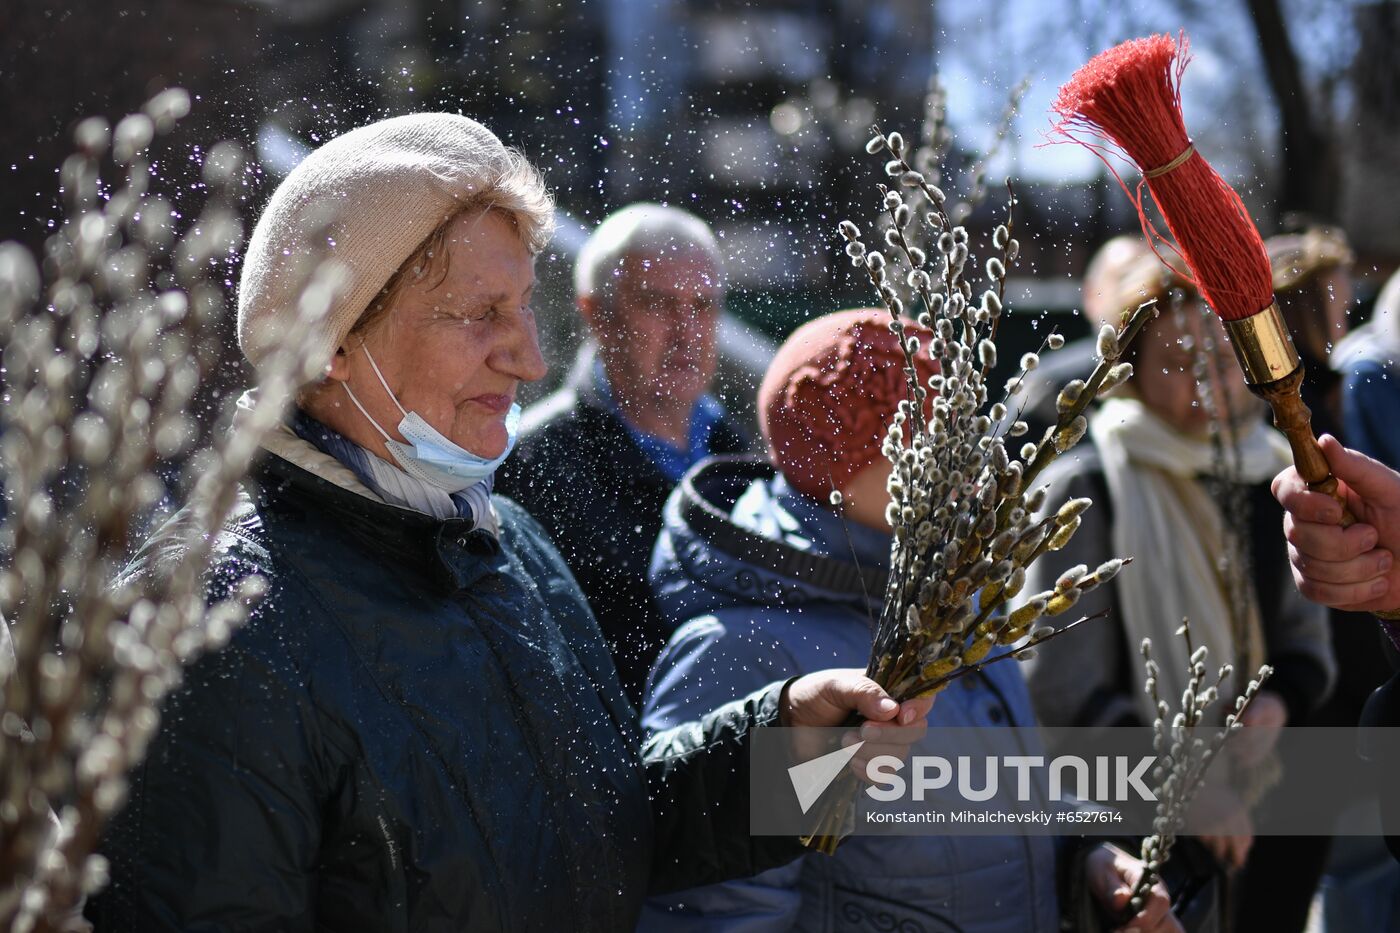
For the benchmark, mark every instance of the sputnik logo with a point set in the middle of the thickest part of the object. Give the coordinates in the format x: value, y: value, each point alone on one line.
x: 811, y: 778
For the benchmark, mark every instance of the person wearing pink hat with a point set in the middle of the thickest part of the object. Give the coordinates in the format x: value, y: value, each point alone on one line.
x: 767, y: 578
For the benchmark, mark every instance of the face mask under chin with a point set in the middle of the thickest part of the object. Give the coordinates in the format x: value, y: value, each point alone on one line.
x: 425, y: 454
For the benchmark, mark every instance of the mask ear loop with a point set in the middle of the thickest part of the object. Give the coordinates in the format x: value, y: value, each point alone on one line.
x: 375, y: 366
x: 383, y: 433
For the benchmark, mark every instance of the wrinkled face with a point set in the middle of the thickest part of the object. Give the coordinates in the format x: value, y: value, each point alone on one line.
x: 455, y: 349
x: 1164, y: 374
x: 656, y: 328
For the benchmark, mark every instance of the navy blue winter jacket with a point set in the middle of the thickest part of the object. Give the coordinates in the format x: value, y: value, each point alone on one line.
x: 748, y: 618
x: 420, y: 729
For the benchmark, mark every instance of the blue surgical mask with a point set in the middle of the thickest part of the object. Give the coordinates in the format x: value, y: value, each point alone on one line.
x: 429, y: 456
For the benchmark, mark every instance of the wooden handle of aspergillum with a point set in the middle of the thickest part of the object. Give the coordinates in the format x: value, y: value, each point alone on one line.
x: 1274, y: 372
x: 1294, y: 419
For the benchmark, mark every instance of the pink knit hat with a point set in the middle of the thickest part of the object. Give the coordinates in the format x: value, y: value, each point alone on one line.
x: 830, y: 394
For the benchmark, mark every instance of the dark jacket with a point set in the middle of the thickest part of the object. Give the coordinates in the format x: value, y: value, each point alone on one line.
x: 760, y: 580
x: 1370, y: 407
x: 1377, y: 744
x: 577, y: 470
x: 1087, y: 680
x: 419, y: 729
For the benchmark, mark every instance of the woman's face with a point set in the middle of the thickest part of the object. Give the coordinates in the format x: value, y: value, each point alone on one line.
x: 454, y: 349
x: 1164, y: 376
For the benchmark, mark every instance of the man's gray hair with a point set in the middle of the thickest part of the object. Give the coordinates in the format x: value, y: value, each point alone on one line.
x: 642, y: 228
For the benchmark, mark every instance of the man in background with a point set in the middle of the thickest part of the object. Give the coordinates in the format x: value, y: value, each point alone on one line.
x: 597, y: 459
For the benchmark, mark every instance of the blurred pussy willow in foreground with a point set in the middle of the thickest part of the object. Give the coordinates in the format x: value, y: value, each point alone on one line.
x: 107, y: 355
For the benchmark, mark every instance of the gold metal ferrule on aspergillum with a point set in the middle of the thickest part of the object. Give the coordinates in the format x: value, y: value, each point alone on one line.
x: 1262, y: 344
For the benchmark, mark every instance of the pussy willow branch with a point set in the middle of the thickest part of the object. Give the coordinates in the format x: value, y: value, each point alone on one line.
x: 1047, y: 450
x: 960, y: 505
x: 927, y: 687
x: 1045, y: 454
x: 1184, y: 759
x: 101, y: 369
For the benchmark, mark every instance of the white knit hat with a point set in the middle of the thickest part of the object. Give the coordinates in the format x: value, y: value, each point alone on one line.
x: 368, y: 199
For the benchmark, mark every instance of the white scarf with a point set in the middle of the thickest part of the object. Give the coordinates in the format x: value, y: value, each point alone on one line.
x: 1375, y: 341
x: 1166, y: 519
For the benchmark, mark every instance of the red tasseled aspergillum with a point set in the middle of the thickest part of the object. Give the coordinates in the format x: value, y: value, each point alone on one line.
x: 1131, y: 94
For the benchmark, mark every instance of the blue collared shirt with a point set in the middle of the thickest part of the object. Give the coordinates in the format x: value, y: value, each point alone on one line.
x: 665, y: 456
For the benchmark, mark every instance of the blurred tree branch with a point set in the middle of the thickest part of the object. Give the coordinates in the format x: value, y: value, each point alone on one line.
x: 1308, y: 179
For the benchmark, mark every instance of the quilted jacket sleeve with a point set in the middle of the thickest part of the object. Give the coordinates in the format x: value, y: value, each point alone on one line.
x: 231, y: 780
x: 698, y: 774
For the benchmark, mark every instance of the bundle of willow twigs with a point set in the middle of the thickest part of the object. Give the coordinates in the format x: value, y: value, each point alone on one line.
x: 962, y: 500
x: 105, y: 350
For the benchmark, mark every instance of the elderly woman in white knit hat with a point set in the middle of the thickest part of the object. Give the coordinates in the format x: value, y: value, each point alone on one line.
x: 421, y: 727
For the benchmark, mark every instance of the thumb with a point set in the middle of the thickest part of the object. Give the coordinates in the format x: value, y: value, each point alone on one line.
x: 869, y: 699
x: 1105, y: 878
x: 1120, y: 878
x: 1370, y: 479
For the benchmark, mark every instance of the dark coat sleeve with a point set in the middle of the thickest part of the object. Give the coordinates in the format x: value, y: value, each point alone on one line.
x: 230, y: 784
x: 698, y: 775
